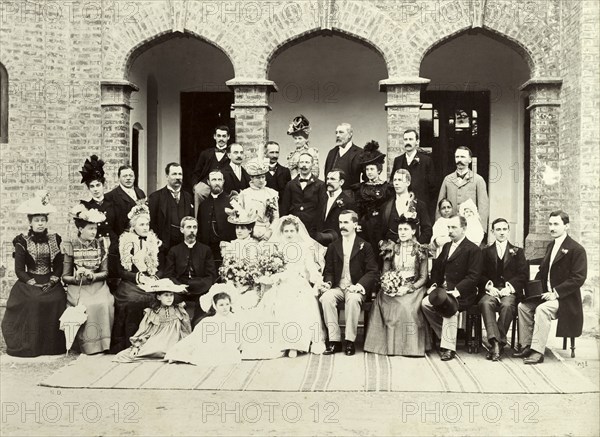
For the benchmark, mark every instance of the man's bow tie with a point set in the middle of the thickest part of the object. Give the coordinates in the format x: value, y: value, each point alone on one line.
x: 303, y: 180
x: 272, y: 167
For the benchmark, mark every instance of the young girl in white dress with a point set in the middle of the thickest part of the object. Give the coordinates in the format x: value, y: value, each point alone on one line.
x: 474, y: 231
x: 161, y: 328
x: 215, y: 341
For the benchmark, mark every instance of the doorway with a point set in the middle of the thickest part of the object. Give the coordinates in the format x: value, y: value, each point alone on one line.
x: 201, y: 112
x: 449, y: 119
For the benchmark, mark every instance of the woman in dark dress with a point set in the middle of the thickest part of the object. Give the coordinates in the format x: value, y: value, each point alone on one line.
x: 138, y: 265
x: 404, y: 203
x: 372, y: 194
x: 37, y: 300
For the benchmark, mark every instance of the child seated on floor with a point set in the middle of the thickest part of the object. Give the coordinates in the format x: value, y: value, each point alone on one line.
x: 161, y: 328
x: 216, y: 339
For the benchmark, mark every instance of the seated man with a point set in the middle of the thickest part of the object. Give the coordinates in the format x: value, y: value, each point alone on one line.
x: 562, y: 273
x: 454, y: 277
x: 191, y: 263
x: 504, y: 276
x: 349, y: 276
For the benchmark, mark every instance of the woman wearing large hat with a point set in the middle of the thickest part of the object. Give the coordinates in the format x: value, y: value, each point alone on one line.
x: 373, y: 193
x: 85, y: 273
x: 299, y: 130
x: 260, y: 199
x: 37, y: 300
x: 137, y: 265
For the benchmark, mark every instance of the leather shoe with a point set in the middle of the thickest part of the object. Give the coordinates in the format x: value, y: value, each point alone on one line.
x: 333, y: 347
x: 350, y: 348
x: 523, y: 353
x: 447, y: 355
x: 534, y: 358
x: 496, y: 351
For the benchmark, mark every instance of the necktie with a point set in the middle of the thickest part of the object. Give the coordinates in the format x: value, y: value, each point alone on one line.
x: 461, y: 176
x: 142, y: 239
x: 176, y: 196
x: 303, y: 180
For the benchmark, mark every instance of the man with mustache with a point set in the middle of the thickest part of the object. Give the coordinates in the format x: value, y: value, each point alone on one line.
x: 350, y: 276
x: 345, y: 155
x: 212, y: 218
x: 303, y: 194
x: 278, y: 176
x: 235, y: 176
x: 167, y: 207
x: 463, y: 184
x: 191, y: 263
x: 334, y: 201
x: 124, y: 197
x: 209, y: 159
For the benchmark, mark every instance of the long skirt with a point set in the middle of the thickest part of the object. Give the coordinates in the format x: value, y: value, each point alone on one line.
x: 397, y: 326
x: 31, y: 321
x: 94, y: 335
x: 130, y: 303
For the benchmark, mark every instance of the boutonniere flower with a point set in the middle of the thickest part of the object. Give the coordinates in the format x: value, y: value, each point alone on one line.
x: 340, y: 203
x: 417, y: 159
x: 361, y: 246
x: 565, y: 251
x: 513, y: 251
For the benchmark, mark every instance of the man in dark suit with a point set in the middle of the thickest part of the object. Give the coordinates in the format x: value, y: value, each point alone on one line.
x: 504, y: 275
x: 235, y: 176
x: 350, y: 276
x: 345, y: 155
x: 457, y: 269
x: 278, y: 176
x: 334, y: 201
x: 421, y: 169
x: 212, y: 218
x: 303, y: 194
x: 562, y: 274
x: 123, y: 198
x: 209, y: 159
x: 167, y: 207
x: 191, y: 263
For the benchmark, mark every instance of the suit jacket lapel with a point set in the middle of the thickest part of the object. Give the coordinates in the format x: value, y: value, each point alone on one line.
x: 355, y: 247
x: 507, y: 255
x: 560, y: 252
x: 456, y: 251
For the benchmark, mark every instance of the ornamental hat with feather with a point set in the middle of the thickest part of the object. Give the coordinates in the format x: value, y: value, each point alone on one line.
x: 92, y: 170
x: 39, y: 204
x: 371, y: 154
x: 299, y: 126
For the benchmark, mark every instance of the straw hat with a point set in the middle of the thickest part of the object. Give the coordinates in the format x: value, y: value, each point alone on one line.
x: 38, y: 204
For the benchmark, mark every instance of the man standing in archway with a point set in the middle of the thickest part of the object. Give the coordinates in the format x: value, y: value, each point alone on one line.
x: 345, y: 155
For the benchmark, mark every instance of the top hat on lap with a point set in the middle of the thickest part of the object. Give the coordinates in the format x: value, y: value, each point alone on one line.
x: 445, y: 304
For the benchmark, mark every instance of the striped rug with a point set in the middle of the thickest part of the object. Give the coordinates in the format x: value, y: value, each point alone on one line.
x: 308, y: 373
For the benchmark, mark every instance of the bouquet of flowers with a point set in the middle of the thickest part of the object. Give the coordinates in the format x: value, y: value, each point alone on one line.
x: 237, y: 271
x: 393, y: 284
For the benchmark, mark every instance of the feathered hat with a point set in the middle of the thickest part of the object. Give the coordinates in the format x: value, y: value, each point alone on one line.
x: 92, y: 170
x: 139, y: 209
x: 81, y: 213
x: 299, y: 126
x: 259, y: 165
x: 371, y: 154
x: 38, y: 204
x: 237, y: 215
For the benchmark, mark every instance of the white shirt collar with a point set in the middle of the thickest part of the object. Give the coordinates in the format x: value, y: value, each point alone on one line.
x: 348, y: 242
x: 344, y: 149
x: 336, y: 193
x: 410, y: 156
x: 559, y: 241
x: 456, y: 244
x: 189, y: 245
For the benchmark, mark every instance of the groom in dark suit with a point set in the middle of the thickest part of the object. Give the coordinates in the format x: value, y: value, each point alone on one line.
x: 236, y: 177
x: 350, y: 276
x: 167, y: 207
x: 505, y: 273
x: 457, y: 270
x: 278, y: 176
x: 333, y: 202
x: 562, y: 273
x: 123, y: 198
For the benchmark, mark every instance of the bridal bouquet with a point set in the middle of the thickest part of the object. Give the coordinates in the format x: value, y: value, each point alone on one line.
x: 237, y: 271
x: 393, y: 284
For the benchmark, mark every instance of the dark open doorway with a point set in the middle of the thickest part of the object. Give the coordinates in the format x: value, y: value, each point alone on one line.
x: 453, y: 118
x: 201, y: 112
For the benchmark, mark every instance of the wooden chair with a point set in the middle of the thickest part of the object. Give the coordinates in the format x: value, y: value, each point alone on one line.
x: 572, y: 346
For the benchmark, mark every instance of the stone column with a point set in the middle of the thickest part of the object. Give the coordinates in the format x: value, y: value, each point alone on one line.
x: 544, y: 161
x: 403, y: 105
x: 250, y: 109
x: 116, y: 108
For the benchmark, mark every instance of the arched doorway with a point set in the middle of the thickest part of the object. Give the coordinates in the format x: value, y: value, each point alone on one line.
x: 474, y: 99
x: 330, y: 79
x: 182, y: 97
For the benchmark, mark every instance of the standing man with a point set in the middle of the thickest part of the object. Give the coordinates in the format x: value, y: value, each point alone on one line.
x: 212, y: 218
x: 209, y: 159
x: 350, y: 276
x: 562, y: 273
x: 421, y: 169
x: 302, y: 195
x: 334, y: 201
x: 235, y: 176
x: 463, y: 184
x: 454, y: 279
x: 278, y: 176
x: 191, y: 263
x: 124, y: 197
x: 345, y: 155
x: 168, y: 206
x: 505, y: 273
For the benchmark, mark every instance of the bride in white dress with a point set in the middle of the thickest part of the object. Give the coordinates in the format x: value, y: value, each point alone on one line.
x: 294, y: 291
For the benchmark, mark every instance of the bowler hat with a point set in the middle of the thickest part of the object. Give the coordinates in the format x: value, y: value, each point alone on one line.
x: 444, y: 303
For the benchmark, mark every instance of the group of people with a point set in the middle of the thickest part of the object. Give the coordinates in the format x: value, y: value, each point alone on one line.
x: 158, y: 281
